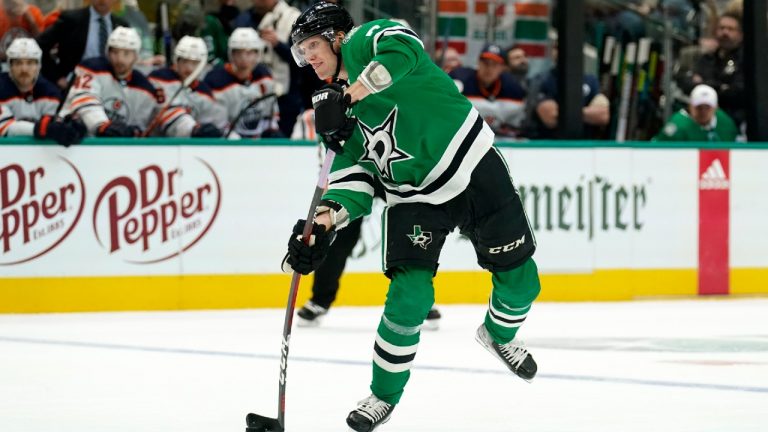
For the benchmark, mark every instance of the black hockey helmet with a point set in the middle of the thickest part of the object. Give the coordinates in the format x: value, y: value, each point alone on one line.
x: 319, y: 18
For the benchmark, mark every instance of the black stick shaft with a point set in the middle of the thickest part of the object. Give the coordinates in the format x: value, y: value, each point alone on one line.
x: 291, y: 306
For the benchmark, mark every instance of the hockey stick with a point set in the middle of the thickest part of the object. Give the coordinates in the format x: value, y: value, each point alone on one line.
x: 184, y: 84
x: 246, y: 108
x: 65, y: 94
x: 255, y: 422
x: 166, y: 32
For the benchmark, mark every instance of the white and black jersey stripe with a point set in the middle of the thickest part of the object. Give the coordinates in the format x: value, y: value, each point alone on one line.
x: 393, y: 358
x: 397, y: 30
x: 354, y: 178
x: 452, y: 173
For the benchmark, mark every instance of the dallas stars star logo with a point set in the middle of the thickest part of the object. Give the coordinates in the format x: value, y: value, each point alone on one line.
x: 419, y: 237
x: 381, y: 146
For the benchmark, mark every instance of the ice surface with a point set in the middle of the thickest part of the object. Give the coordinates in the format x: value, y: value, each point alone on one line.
x: 675, y: 366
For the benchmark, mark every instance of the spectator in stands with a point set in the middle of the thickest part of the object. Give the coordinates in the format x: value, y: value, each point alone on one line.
x: 207, y: 117
x: 115, y: 100
x: 723, y: 69
x: 18, y: 19
x: 77, y: 35
x: 273, y: 19
x: 28, y: 102
x: 703, y: 121
x: 228, y: 12
x: 448, y: 59
x: 494, y: 92
x: 517, y: 62
x: 189, y: 19
x: 239, y: 84
x: 596, y: 111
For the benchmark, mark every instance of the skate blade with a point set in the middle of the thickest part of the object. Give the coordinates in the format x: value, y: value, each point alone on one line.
x: 257, y: 423
x: 492, y: 351
x: 375, y: 428
x: 301, y: 322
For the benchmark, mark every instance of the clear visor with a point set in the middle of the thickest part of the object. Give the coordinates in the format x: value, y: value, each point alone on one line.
x: 311, y: 47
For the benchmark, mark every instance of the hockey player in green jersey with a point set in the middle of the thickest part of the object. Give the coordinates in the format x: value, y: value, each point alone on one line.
x: 403, y: 120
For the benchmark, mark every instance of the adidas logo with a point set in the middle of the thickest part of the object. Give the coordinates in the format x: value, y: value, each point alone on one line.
x: 714, y: 177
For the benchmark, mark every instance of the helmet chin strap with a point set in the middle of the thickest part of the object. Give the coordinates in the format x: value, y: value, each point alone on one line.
x: 338, y: 62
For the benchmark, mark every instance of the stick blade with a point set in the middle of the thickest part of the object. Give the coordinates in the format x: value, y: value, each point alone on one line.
x: 257, y: 423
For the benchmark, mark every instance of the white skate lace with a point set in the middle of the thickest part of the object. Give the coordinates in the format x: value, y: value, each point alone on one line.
x: 515, y: 353
x: 373, y: 408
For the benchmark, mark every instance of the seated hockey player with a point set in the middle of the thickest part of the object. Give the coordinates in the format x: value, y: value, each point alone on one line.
x: 115, y: 100
x: 208, y: 117
x: 242, y: 86
x: 28, y: 102
x: 495, y: 93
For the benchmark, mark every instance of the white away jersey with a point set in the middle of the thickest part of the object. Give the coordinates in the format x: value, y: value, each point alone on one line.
x: 19, y: 112
x: 235, y: 95
x: 197, y: 100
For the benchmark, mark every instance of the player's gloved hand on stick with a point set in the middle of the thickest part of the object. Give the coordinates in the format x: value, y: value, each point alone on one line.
x: 331, y: 119
x: 306, y: 258
x: 111, y: 129
x: 65, y: 132
x: 206, y: 130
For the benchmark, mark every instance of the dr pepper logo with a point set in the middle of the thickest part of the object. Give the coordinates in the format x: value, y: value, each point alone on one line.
x: 40, y: 205
x: 157, y: 212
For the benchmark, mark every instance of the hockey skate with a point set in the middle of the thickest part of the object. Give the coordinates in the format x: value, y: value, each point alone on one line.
x: 370, y: 413
x: 513, y: 354
x: 310, y: 315
x: 433, y: 320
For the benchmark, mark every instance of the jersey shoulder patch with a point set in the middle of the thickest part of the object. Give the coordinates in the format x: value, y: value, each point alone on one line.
x: 261, y: 71
x: 45, y: 88
x: 202, y: 87
x: 139, y: 81
x: 164, y: 74
x: 218, y: 78
x: 96, y: 64
x: 670, y: 129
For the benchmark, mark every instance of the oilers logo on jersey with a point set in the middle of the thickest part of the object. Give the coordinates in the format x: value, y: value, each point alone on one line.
x: 117, y: 109
x: 254, y: 116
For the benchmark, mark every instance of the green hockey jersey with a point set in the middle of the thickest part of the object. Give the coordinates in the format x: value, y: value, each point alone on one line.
x: 420, y: 135
x: 681, y: 127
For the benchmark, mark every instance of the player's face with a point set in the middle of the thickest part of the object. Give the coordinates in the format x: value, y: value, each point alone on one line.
x: 122, y: 61
x: 185, y: 67
x: 488, y: 71
x: 318, y: 53
x: 245, y: 60
x: 24, y: 72
x: 702, y: 114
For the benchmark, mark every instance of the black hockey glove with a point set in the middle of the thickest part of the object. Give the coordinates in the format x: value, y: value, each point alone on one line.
x: 65, y: 132
x: 206, y: 130
x: 306, y: 258
x: 331, y: 119
x: 113, y: 129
